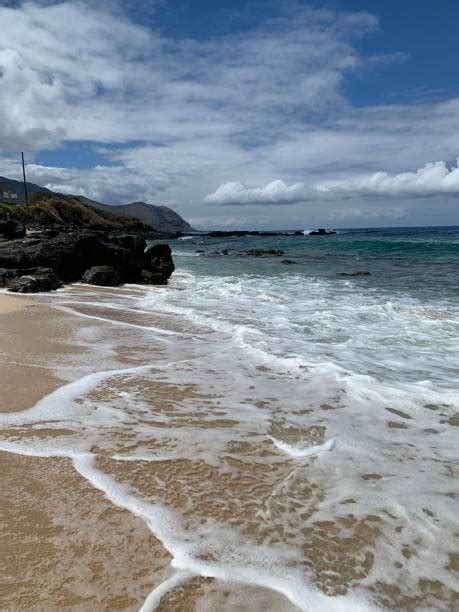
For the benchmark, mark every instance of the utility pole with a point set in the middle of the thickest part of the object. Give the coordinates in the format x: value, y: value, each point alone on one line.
x: 26, y: 195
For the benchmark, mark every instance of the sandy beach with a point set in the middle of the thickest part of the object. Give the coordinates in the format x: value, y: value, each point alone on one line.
x: 64, y: 545
x: 136, y: 475
x: 13, y: 304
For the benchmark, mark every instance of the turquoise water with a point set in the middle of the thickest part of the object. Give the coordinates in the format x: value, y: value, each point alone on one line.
x: 414, y: 259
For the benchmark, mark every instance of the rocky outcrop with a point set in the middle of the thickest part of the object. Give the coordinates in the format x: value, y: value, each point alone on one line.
x: 41, y: 279
x: 159, y: 265
x: 322, y: 231
x: 11, y: 229
x: 104, y: 276
x: 73, y: 255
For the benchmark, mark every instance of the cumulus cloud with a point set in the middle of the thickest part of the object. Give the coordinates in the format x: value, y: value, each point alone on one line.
x: 173, y: 118
x: 77, y: 71
x: 276, y: 192
x: 111, y: 184
x: 432, y: 179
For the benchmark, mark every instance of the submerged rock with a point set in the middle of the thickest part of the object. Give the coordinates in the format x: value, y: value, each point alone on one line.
x: 363, y: 273
x: 263, y: 252
x: 288, y: 262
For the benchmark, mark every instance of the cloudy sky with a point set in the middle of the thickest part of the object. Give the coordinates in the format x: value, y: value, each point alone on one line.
x: 239, y: 113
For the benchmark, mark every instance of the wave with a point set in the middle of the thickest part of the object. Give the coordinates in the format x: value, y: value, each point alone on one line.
x: 258, y: 358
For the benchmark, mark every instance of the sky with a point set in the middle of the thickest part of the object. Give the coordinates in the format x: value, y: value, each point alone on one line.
x: 238, y: 114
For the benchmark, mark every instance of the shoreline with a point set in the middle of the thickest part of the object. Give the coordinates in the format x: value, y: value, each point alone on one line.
x: 140, y: 428
x: 64, y: 543
x: 119, y: 554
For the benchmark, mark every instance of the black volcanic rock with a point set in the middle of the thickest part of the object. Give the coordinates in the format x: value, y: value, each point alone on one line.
x: 322, y: 231
x: 70, y: 255
x: 104, y: 276
x: 264, y: 252
x: 11, y: 229
x: 159, y: 264
x: 41, y: 279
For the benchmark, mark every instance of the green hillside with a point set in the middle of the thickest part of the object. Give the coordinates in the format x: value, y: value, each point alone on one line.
x: 55, y: 209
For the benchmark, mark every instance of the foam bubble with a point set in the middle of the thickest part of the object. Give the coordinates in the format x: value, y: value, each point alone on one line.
x: 298, y: 453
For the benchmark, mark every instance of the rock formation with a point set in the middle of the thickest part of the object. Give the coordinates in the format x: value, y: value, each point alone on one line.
x: 42, y: 263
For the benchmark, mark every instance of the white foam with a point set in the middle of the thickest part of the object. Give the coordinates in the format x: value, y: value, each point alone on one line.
x: 298, y: 453
x: 60, y: 404
x: 165, y: 526
x: 154, y: 599
x: 157, y: 330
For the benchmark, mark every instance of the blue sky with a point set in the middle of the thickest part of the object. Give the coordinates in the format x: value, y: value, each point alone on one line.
x: 239, y: 114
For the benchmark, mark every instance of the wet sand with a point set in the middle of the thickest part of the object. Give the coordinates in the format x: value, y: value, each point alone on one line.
x: 13, y: 304
x: 64, y: 545
x: 30, y: 333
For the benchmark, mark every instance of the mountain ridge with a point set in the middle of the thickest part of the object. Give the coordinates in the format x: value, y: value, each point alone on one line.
x: 161, y: 217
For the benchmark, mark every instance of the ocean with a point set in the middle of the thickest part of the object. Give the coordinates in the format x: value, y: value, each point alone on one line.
x: 287, y: 431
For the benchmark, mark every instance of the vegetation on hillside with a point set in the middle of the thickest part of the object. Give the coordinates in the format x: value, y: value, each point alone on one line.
x: 51, y: 209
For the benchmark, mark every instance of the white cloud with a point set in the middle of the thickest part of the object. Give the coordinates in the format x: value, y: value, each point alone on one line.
x: 276, y: 192
x: 175, y: 118
x: 110, y: 184
x: 76, y: 71
x: 432, y: 179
